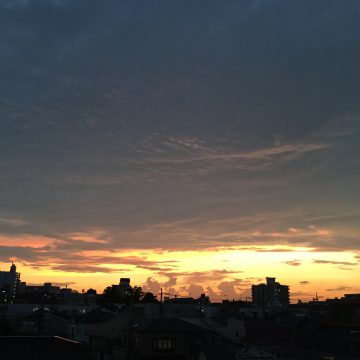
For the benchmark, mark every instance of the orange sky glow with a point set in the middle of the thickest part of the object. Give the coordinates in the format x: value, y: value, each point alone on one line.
x: 225, y: 273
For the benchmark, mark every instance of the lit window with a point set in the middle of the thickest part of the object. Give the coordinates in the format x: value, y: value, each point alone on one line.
x: 165, y: 344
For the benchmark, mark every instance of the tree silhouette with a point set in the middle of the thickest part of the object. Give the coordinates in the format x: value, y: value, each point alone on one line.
x: 112, y: 294
x: 149, y: 297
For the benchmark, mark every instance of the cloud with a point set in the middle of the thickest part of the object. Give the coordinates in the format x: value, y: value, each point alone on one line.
x: 171, y: 282
x: 332, y: 262
x: 211, y: 293
x: 12, y: 221
x: 80, y: 258
x: 302, y: 295
x: 231, y: 289
x: 84, y: 268
x: 61, y: 284
x: 264, y: 232
x: 200, y: 276
x: 293, y: 262
x: 222, y: 287
x: 152, y: 286
x: 214, y: 155
x: 195, y: 290
x: 340, y: 288
x: 304, y: 282
x: 118, y: 135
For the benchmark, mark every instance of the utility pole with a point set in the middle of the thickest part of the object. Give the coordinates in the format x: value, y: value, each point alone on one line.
x: 130, y: 354
x: 161, y: 303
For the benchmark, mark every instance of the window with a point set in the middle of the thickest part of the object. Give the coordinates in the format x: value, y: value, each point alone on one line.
x: 164, y: 344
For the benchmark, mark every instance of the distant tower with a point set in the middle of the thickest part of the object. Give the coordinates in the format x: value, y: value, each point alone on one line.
x: 13, y: 268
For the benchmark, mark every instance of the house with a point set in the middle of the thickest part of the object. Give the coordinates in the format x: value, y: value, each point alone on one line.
x: 170, y: 339
x: 86, y: 323
x: 43, y: 322
x: 110, y: 339
x: 230, y: 329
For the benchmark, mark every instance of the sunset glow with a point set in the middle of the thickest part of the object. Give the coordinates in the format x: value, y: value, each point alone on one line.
x: 191, y: 148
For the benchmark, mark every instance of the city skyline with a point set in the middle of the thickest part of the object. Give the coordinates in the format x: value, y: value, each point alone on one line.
x: 270, y: 291
x: 190, y: 146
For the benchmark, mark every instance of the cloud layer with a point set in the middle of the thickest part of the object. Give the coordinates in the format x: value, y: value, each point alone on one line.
x: 173, y: 127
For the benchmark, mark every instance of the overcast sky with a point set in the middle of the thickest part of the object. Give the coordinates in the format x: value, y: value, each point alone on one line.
x: 177, y: 125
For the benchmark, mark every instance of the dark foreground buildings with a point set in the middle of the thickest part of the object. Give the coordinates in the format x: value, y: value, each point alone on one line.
x: 45, y: 322
x: 41, y: 347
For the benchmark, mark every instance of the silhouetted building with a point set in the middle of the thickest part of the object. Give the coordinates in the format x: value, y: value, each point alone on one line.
x: 43, y: 321
x: 270, y: 294
x: 47, y: 288
x: 73, y: 297
x: 123, y: 290
x: 9, y: 282
x: 345, y: 311
x: 168, y: 310
x: 171, y: 339
x: 41, y: 347
x: 37, y: 294
x: 124, y: 287
x: 352, y: 296
x: 204, y: 300
x: 180, y: 300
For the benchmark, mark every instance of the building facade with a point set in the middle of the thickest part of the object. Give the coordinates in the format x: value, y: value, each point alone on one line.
x: 9, y: 283
x: 271, y: 294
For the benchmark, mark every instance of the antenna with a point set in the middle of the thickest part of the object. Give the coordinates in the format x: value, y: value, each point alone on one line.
x: 316, y: 298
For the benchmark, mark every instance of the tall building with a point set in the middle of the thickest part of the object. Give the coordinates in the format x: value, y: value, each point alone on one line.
x: 271, y: 294
x: 9, y: 282
x: 124, y: 287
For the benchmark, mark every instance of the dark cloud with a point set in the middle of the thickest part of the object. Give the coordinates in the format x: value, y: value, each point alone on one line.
x: 340, y: 288
x: 24, y: 253
x: 344, y: 268
x: 84, y: 268
x: 304, y: 282
x: 243, y: 114
x: 302, y: 295
x: 61, y: 284
x: 58, y: 258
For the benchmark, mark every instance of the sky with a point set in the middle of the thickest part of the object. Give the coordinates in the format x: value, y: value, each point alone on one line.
x: 198, y: 146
